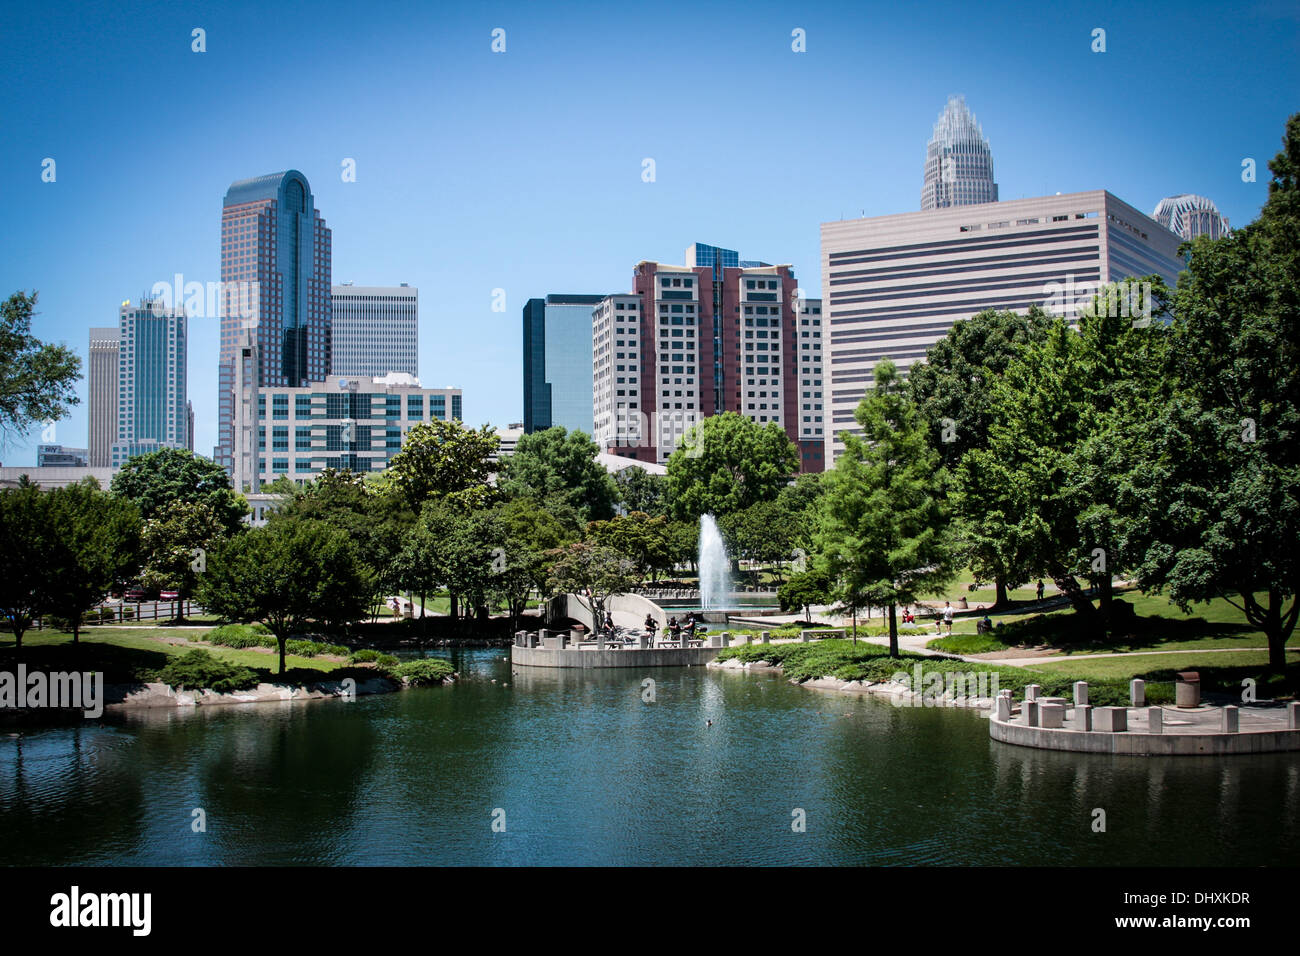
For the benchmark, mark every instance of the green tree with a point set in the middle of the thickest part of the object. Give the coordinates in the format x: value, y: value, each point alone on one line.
x: 175, y: 545
x: 557, y: 462
x: 94, y: 543
x: 763, y: 533
x: 439, y: 458
x: 726, y: 463
x: 37, y: 381
x: 158, y: 481
x: 25, y: 547
x: 806, y: 588
x: 885, y: 527
x: 594, y: 573
x: 638, y: 490
x: 529, y: 535
x: 953, y: 388
x: 643, y: 540
x: 1214, y: 492
x: 288, y: 574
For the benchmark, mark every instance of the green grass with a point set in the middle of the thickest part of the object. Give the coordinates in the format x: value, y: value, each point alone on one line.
x: 128, y: 656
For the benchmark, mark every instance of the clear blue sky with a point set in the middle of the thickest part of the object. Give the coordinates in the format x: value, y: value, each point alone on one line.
x: 522, y: 171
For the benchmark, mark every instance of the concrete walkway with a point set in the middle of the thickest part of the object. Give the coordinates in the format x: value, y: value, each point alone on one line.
x: 1030, y: 661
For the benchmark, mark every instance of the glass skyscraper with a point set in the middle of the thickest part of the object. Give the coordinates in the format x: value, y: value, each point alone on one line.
x: 152, y: 410
x: 275, y: 273
x: 557, y: 362
x: 958, y: 161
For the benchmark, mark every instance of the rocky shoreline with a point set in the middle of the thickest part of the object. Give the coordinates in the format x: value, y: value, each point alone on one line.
x: 902, y: 696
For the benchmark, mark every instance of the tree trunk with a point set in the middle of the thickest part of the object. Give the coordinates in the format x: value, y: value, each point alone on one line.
x: 1105, y: 593
x: 76, y: 628
x: 1067, y: 585
x: 454, y: 601
x: 281, y: 641
x: 893, y: 630
x: 1000, y: 598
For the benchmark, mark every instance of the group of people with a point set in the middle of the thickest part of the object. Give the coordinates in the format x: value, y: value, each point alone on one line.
x: 676, y: 630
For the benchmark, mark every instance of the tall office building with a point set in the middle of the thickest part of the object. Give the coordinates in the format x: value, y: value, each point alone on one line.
x: 276, y: 302
x: 151, y: 385
x: 344, y: 423
x: 694, y: 340
x: 56, y: 456
x: 375, y: 330
x: 958, y: 161
x: 103, y: 373
x: 557, y: 362
x: 894, y: 285
x: 1189, y: 216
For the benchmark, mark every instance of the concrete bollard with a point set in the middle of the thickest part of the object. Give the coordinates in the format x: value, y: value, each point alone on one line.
x: 715, y: 640
x: 642, y: 642
x: 1137, y: 692
x: 1002, y: 709
x: 767, y: 637
x: 726, y: 638
x: 1231, y: 719
x: 1029, y: 711
x: 519, y: 638
x: 1080, y: 693
x: 1111, y: 720
x: 1083, y: 717
x: 1032, y: 691
x: 1053, y: 715
x: 1293, y: 715
x: 805, y: 636
x: 600, y: 640
x: 1155, y: 720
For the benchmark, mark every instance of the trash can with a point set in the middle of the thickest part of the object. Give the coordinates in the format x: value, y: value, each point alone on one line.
x: 1187, y: 692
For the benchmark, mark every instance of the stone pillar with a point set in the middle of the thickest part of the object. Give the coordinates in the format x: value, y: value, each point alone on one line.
x: 600, y: 640
x: 1080, y: 693
x: 1002, y: 709
x: 642, y: 642
x: 1032, y: 691
x: 805, y: 636
x: 1155, y: 720
x: 1137, y: 692
x: 767, y: 637
x: 1113, y: 720
x: 1231, y: 719
x: 1053, y: 715
x: 1083, y: 717
x: 726, y: 638
x: 1029, y: 710
x: 715, y: 640
x: 1293, y: 715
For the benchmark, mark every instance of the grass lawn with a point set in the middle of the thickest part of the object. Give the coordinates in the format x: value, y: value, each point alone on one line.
x: 127, y: 655
x: 1164, y: 664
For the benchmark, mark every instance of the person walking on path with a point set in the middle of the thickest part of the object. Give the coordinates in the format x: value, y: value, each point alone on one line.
x: 1040, y: 589
x: 947, y: 616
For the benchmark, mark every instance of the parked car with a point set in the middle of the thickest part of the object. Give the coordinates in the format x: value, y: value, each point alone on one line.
x: 133, y: 594
x: 169, y: 595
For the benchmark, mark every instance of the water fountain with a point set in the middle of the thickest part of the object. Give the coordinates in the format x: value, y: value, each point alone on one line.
x: 715, y: 566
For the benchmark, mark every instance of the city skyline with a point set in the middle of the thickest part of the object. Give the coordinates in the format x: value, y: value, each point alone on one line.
x: 527, y: 223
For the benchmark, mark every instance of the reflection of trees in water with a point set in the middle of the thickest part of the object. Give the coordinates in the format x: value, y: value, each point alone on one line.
x: 69, y: 796
x: 1191, y: 811
x: 283, y: 787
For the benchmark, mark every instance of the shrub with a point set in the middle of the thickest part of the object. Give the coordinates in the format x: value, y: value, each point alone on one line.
x: 423, y: 672
x: 199, y: 669
x: 314, y: 648
x: 384, y: 661
x: 240, y: 636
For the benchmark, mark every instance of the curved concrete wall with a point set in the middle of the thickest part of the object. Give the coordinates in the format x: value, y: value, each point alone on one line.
x: 626, y: 657
x: 1127, y: 742
x: 628, y: 610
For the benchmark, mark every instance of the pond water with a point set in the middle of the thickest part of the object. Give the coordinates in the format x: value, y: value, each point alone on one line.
x: 580, y: 770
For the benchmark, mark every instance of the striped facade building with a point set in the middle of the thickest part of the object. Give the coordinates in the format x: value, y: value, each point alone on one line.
x: 894, y: 285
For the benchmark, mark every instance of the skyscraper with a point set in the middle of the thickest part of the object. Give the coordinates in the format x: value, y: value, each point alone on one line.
x: 1188, y: 216
x: 102, y: 387
x: 151, y: 386
x: 958, y: 161
x: 693, y: 341
x: 375, y: 330
x: 896, y: 284
x: 275, y: 273
x: 557, y: 362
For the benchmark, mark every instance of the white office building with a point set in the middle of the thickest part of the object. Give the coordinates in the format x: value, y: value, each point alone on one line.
x: 375, y: 330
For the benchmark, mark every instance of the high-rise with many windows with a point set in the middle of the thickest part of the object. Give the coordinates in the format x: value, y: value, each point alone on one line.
x: 375, y: 330
x: 694, y: 340
x: 102, y: 388
x: 151, y: 386
x: 894, y: 285
x: 557, y: 362
x: 958, y: 161
x: 275, y: 273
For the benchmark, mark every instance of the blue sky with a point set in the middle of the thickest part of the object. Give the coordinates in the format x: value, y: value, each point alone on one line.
x: 522, y: 170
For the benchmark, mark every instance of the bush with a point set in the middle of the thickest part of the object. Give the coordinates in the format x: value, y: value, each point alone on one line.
x: 313, y: 648
x: 384, y: 661
x: 240, y: 636
x: 423, y: 672
x: 199, y: 669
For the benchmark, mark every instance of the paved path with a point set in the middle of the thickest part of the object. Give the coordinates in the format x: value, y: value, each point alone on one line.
x: 1029, y: 661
